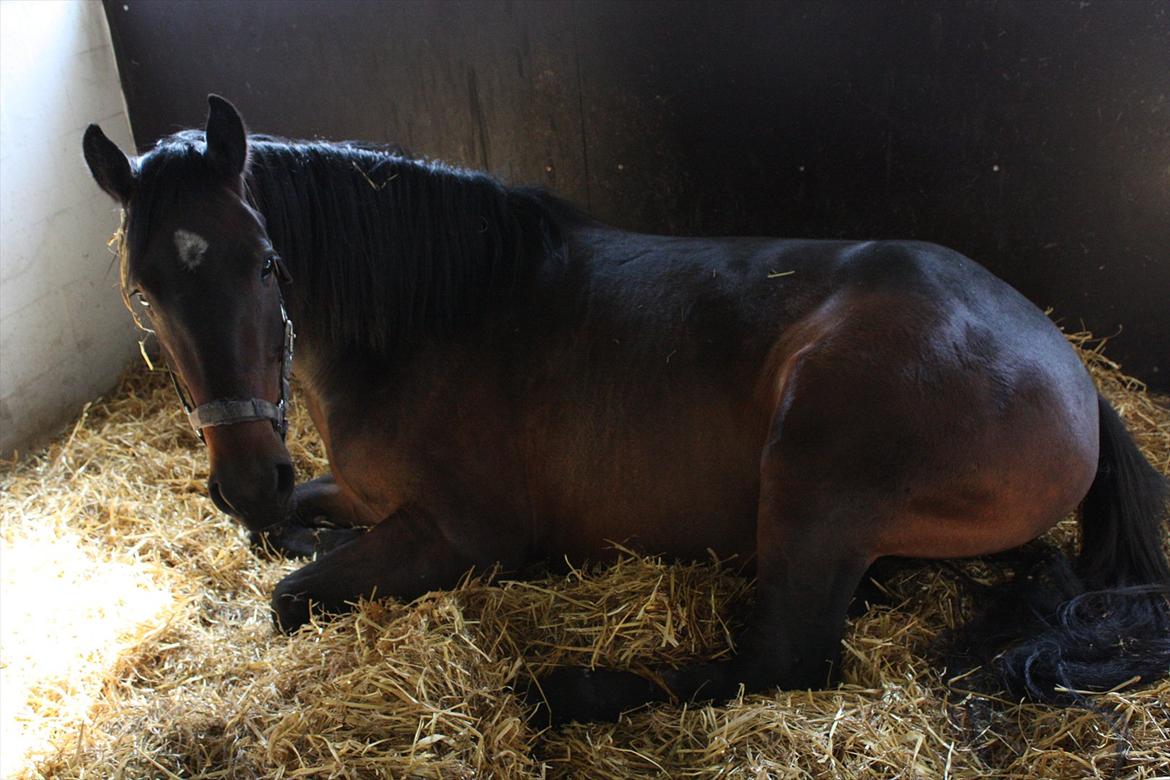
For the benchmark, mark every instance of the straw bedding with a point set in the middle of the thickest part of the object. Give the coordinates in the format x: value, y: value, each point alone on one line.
x: 137, y: 642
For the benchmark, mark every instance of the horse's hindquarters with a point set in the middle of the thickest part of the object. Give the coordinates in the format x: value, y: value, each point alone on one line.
x: 964, y: 434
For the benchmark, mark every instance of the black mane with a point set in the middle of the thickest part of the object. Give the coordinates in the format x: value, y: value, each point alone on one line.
x: 385, y: 250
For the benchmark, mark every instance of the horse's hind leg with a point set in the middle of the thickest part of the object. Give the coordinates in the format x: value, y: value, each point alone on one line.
x: 826, y: 495
x: 811, y: 556
x: 812, y: 553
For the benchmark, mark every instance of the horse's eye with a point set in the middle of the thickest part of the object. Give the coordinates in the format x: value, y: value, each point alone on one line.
x: 269, y: 266
x: 141, y: 300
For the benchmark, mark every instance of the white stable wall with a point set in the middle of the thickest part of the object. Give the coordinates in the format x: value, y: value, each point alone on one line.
x: 64, y: 336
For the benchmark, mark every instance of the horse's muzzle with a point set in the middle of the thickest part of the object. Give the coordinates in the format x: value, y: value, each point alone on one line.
x: 257, y: 509
x: 252, y: 477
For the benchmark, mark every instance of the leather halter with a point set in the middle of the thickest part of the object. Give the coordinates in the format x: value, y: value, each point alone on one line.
x: 224, y: 411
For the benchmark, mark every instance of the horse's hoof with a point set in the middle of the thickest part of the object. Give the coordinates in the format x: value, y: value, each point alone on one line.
x: 580, y: 695
x: 290, y: 609
x: 297, y: 541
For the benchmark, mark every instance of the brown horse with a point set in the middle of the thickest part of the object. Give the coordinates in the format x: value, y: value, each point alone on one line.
x: 499, y: 379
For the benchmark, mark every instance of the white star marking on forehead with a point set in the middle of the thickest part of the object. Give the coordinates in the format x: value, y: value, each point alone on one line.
x: 192, y: 247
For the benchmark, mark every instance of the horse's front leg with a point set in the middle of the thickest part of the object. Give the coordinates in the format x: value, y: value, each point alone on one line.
x: 323, y: 502
x: 322, y: 517
x: 404, y: 556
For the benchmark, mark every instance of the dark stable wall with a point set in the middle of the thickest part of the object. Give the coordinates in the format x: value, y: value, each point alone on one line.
x: 1032, y: 136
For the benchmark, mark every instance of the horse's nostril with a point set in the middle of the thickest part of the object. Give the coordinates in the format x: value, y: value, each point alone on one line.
x: 285, y: 479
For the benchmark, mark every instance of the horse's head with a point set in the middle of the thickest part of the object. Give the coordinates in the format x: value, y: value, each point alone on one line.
x: 196, y: 255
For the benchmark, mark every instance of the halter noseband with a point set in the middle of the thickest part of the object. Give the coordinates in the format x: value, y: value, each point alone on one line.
x: 224, y: 411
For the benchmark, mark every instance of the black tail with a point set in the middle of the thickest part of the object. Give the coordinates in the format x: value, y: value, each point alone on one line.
x: 1103, y: 622
x: 1122, y: 515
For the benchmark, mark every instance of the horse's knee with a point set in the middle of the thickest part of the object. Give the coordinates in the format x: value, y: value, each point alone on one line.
x: 321, y: 502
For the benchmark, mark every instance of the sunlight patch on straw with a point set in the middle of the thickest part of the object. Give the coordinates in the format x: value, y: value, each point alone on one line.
x: 66, y: 617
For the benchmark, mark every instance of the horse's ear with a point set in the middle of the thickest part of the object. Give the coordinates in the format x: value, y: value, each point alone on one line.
x: 110, y: 168
x: 227, y: 142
